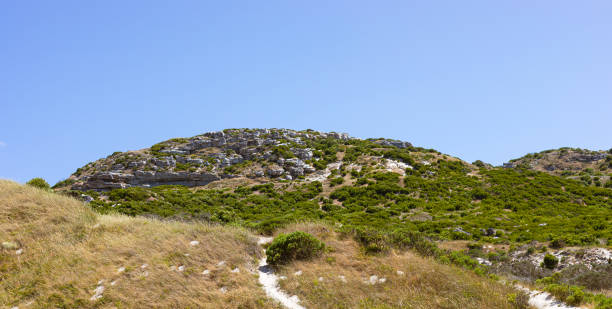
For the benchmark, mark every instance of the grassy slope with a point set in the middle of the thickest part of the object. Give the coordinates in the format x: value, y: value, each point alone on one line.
x: 423, y: 284
x: 67, y: 249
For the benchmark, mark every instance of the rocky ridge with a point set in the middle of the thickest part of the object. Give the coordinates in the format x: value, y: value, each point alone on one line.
x: 199, y: 160
x: 592, y: 167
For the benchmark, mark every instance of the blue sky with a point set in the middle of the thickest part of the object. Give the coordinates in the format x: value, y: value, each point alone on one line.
x: 489, y: 80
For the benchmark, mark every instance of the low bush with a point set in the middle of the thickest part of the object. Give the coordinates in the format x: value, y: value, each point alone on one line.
x: 336, y: 181
x: 572, y: 295
x: 38, y: 183
x: 550, y: 261
x: 293, y: 246
x: 520, y: 300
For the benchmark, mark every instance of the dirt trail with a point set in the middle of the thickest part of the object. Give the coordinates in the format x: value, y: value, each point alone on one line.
x: 269, y: 281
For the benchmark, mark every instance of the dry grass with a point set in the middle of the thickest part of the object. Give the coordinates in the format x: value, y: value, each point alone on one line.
x: 67, y: 249
x: 423, y: 284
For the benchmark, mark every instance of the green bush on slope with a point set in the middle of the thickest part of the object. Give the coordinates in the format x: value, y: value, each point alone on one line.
x: 38, y: 183
x: 293, y: 246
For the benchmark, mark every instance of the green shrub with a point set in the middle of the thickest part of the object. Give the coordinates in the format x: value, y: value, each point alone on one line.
x: 478, y: 163
x: 550, y: 261
x: 372, y: 240
x: 293, y: 246
x: 605, y: 303
x: 64, y: 183
x: 557, y: 243
x: 572, y: 295
x: 38, y: 183
x: 336, y: 181
x: 519, y: 300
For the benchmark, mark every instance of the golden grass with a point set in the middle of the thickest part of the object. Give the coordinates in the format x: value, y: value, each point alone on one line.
x: 423, y: 284
x: 67, y: 249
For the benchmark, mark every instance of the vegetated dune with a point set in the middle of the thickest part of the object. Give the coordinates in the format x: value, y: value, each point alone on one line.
x: 57, y: 252
x: 344, y: 277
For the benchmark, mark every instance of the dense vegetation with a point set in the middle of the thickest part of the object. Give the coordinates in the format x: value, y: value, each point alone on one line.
x: 520, y: 205
x: 424, y: 196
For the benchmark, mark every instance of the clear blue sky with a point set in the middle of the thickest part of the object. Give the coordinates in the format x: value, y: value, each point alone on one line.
x: 489, y: 80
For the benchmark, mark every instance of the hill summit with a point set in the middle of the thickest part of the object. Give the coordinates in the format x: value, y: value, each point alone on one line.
x: 231, y: 153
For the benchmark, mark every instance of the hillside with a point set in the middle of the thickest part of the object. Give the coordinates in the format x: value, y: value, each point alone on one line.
x: 265, y: 179
x: 590, y: 167
x: 58, y: 253
x: 385, y: 194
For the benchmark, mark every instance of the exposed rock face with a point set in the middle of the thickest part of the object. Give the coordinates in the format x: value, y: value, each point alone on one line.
x: 391, y: 142
x: 204, y: 158
x: 588, y: 257
x: 569, y: 162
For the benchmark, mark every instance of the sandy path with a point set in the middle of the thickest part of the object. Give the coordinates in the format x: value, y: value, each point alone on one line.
x: 269, y: 281
x: 543, y: 300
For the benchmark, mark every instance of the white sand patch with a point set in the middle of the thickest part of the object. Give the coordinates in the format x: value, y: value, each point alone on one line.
x: 543, y: 300
x: 269, y: 281
x: 323, y: 174
x: 397, y: 167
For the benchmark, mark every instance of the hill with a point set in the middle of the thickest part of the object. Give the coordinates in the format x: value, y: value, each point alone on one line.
x: 384, y: 195
x: 264, y: 179
x: 590, y: 167
x: 58, y: 253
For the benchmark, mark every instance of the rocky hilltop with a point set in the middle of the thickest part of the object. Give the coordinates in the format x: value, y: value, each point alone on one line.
x: 592, y: 167
x: 199, y: 160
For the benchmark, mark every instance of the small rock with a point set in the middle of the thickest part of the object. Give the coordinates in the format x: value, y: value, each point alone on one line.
x: 298, y: 273
x: 342, y: 278
x: 223, y: 290
x: 382, y: 280
x: 400, y: 273
x: 120, y: 270
x: 187, y: 254
x: 145, y: 274
x: 194, y: 243
x: 236, y: 270
x: 87, y: 198
x: 181, y: 268
x: 114, y: 282
x: 206, y: 272
x: 221, y: 263
x: 143, y: 266
x: 19, y: 252
x: 98, y: 292
x: 320, y: 279
x: 282, y: 278
x: 373, y: 279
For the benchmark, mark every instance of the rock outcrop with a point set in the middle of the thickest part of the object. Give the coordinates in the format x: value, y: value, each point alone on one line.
x: 204, y: 158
